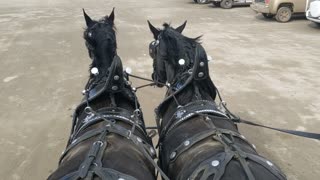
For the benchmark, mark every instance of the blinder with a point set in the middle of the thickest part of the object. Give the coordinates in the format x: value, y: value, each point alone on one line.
x: 201, y: 69
x: 115, y: 81
x: 153, y: 46
x: 158, y: 75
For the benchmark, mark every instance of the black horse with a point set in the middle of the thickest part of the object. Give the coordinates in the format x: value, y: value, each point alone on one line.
x: 198, y: 138
x: 108, y: 138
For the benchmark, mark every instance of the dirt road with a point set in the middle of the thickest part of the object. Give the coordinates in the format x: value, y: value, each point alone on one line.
x: 266, y: 71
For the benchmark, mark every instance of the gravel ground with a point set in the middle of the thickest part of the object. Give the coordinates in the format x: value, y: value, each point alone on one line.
x: 266, y: 71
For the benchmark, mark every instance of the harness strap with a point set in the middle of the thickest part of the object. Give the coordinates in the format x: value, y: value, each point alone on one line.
x: 114, y: 114
x: 114, y: 82
x: 146, y: 149
x: 231, y: 150
x: 267, y: 164
x: 293, y: 132
x: 192, y: 109
x: 113, y: 100
x: 218, y: 171
x: 82, y: 138
x: 94, y: 156
x: 188, y: 143
x: 190, y: 78
x: 105, y: 173
x: 237, y: 119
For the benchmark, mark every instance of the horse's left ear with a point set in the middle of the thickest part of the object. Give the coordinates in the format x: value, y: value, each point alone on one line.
x: 89, y: 21
x: 154, y: 30
x: 111, y: 16
x: 181, y: 28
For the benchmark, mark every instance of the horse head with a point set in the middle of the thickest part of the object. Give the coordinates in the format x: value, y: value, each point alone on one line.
x: 100, y: 39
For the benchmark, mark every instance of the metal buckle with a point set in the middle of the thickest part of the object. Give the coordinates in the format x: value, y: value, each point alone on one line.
x: 99, y: 143
x: 88, y: 110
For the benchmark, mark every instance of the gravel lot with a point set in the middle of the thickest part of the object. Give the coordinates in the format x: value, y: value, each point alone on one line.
x: 266, y: 71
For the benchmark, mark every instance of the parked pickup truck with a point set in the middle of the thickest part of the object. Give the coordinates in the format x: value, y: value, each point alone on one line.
x: 313, y: 11
x: 282, y: 10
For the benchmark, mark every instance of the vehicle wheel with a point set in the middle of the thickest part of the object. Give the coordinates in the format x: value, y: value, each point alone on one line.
x: 268, y: 16
x: 284, y: 14
x: 217, y: 4
x: 202, y: 1
x: 226, y: 4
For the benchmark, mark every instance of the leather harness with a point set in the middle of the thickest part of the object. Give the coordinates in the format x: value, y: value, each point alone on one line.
x: 214, y: 166
x: 92, y: 165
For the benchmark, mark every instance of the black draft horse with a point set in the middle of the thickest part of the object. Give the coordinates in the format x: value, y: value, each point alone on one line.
x: 198, y: 139
x: 108, y: 138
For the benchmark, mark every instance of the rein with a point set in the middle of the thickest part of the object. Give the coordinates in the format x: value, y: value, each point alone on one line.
x: 236, y: 119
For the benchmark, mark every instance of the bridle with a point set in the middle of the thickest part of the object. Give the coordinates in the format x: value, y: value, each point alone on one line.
x: 209, y: 111
x: 153, y: 50
x: 181, y: 74
x: 198, y: 72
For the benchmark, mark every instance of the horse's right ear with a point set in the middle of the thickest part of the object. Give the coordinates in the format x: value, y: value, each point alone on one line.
x: 89, y: 21
x: 181, y: 28
x: 154, y: 30
x: 111, y: 16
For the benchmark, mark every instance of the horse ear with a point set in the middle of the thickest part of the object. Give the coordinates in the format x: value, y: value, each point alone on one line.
x: 181, y: 28
x: 154, y: 30
x: 111, y: 16
x: 89, y: 21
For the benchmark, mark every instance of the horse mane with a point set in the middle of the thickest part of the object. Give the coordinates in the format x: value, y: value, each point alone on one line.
x: 167, y: 26
x: 102, y: 20
x: 178, y: 45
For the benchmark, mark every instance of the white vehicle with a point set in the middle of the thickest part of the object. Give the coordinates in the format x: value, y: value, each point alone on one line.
x: 227, y: 4
x: 313, y: 11
x: 202, y: 1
